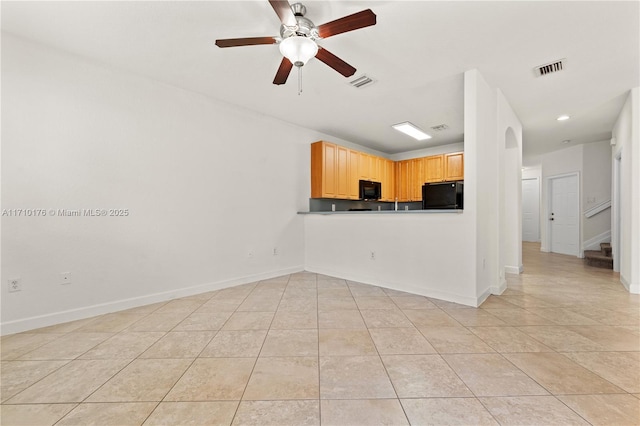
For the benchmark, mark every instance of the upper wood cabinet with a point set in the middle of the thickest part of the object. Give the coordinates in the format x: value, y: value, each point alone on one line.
x: 416, y: 179
x: 364, y: 166
x: 342, y: 172
x: 388, y: 180
x: 331, y: 171
x: 403, y: 180
x: 354, y: 175
x: 434, y: 168
x: 454, y: 166
x: 336, y: 172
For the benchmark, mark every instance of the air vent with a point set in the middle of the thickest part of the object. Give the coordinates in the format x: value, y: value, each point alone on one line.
x: 361, y: 82
x: 440, y: 127
x: 550, y: 68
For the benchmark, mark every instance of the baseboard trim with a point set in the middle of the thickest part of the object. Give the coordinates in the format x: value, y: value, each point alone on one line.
x: 25, y: 324
x: 498, y: 290
x: 514, y: 269
x: 484, y: 296
x: 406, y: 287
x: 631, y: 288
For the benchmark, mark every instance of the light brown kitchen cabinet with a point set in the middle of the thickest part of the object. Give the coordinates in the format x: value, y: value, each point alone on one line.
x: 337, y: 170
x: 403, y: 179
x: 454, y: 166
x: 364, y: 165
x: 354, y: 175
x: 323, y: 170
x: 388, y: 180
x: 342, y: 172
x: 434, y: 168
x: 416, y: 179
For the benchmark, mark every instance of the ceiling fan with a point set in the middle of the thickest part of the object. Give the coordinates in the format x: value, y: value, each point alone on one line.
x: 299, y: 36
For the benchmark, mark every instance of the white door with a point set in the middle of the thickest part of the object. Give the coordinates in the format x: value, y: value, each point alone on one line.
x: 530, y: 210
x: 563, y: 215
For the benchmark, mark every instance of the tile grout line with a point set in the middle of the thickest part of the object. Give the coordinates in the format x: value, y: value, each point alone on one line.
x: 259, y: 352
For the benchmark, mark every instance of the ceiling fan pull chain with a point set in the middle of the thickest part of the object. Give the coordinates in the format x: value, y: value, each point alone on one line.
x: 299, y: 80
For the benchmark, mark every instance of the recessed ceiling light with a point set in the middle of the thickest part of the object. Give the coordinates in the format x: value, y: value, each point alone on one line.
x: 563, y: 118
x: 411, y: 130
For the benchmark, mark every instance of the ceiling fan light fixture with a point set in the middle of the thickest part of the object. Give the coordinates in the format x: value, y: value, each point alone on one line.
x: 298, y: 49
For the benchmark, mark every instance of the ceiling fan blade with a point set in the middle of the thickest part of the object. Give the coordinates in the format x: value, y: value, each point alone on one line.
x: 358, y: 20
x: 247, y: 41
x: 284, y: 12
x: 336, y: 63
x: 283, y: 71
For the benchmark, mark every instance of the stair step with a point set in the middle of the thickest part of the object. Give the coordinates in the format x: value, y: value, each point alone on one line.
x: 606, y: 249
x: 598, y: 259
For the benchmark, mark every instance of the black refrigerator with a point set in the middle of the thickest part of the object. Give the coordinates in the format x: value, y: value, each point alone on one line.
x: 443, y: 196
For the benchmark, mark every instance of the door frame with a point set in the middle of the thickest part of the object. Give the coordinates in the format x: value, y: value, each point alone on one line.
x: 616, y: 208
x: 537, y: 179
x: 549, y: 197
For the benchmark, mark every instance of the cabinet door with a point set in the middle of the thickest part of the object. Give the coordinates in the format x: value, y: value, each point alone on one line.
x: 342, y: 172
x: 384, y: 179
x: 434, y: 168
x: 389, y: 182
x: 354, y: 176
x: 376, y: 168
x: 403, y: 178
x: 417, y: 179
x: 329, y: 173
x: 454, y: 166
x: 391, y: 173
x: 364, y: 165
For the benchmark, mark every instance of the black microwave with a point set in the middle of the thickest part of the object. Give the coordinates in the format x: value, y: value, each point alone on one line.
x: 444, y: 196
x: 370, y: 190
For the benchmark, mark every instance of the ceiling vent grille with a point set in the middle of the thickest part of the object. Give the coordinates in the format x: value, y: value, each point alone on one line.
x: 361, y: 81
x: 550, y: 68
x: 440, y: 127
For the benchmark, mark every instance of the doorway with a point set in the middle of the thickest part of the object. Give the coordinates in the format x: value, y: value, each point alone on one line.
x: 530, y: 209
x: 563, y: 215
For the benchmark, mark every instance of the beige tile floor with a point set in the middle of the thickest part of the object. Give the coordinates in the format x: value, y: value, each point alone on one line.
x: 560, y: 346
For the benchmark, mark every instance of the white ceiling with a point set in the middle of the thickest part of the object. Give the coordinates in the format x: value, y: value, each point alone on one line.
x: 417, y: 53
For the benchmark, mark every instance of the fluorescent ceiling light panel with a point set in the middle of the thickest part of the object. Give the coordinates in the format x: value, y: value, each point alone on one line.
x: 411, y: 130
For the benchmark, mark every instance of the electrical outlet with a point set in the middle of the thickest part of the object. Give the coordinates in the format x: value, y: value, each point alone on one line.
x: 373, y: 255
x: 65, y: 278
x: 15, y: 284
x: 250, y: 253
x: 275, y: 251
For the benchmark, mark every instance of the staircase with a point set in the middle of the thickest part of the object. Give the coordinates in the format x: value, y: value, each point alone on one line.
x: 600, y: 258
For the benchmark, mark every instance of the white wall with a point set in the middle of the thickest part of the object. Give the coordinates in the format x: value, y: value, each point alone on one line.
x: 204, y: 183
x: 592, y: 163
x: 626, y: 133
x: 510, y: 200
x: 451, y: 256
x: 564, y: 161
x: 596, y: 181
x: 481, y: 177
x: 424, y: 253
x: 534, y: 172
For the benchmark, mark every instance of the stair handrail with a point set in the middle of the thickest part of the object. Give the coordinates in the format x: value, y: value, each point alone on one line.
x: 597, y: 208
